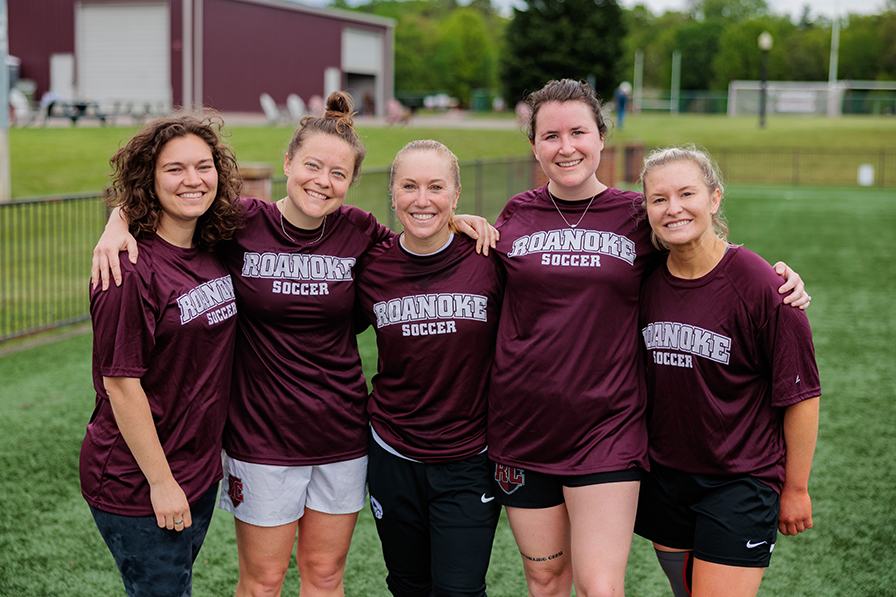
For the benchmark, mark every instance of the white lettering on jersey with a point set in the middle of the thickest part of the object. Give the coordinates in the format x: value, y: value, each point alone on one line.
x: 294, y: 266
x: 687, y: 338
x: 424, y: 307
x: 428, y: 329
x: 673, y: 358
x: 300, y: 288
x: 569, y: 240
x: 205, y: 297
x: 222, y: 314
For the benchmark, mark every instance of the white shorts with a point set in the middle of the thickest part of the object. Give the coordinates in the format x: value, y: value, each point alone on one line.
x: 269, y: 496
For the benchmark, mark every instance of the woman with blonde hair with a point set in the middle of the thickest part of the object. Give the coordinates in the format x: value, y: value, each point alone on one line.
x: 434, y: 304
x: 732, y: 389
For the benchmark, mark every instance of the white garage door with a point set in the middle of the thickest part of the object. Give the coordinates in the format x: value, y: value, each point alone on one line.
x: 362, y: 52
x: 123, y: 54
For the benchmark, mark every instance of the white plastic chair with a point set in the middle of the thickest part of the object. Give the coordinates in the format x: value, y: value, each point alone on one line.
x: 295, y: 106
x: 271, y: 111
x: 21, y: 107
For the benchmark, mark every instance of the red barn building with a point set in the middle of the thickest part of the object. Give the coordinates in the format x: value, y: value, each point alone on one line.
x: 219, y: 53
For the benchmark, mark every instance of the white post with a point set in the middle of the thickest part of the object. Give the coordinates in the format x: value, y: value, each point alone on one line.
x: 5, y: 187
x: 834, y: 99
x: 638, y: 80
x: 676, y: 82
x: 186, y: 58
x: 198, y: 42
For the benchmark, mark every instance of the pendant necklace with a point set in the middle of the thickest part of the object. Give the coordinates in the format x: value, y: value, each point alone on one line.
x: 551, y: 195
x: 323, y: 229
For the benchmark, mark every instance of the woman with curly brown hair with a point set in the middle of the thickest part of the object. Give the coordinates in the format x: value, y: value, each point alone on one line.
x: 162, y: 356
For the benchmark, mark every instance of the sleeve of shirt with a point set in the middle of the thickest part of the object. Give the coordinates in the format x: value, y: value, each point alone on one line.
x: 124, y: 327
x: 361, y: 316
x: 788, y: 339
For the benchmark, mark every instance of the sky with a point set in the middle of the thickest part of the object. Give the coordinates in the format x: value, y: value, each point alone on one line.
x: 794, y: 8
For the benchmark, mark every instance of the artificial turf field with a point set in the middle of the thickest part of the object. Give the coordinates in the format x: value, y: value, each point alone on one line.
x: 843, y: 243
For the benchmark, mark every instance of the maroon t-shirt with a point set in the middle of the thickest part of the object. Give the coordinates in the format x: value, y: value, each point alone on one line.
x: 567, y: 389
x: 725, y: 355
x: 171, y: 323
x: 435, y: 317
x: 298, y: 390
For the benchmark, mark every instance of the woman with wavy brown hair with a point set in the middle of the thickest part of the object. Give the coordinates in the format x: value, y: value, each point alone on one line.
x: 163, y: 350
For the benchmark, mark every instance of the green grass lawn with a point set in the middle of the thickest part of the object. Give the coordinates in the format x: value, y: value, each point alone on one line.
x: 842, y: 241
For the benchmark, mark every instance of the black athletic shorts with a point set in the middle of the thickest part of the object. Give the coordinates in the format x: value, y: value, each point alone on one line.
x: 523, y: 488
x: 730, y: 520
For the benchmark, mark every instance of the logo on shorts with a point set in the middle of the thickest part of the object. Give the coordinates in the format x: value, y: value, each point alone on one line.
x: 376, y: 508
x: 235, y: 490
x: 751, y: 545
x: 509, y: 478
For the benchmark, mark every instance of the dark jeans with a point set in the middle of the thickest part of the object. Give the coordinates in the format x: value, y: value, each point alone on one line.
x: 153, y: 561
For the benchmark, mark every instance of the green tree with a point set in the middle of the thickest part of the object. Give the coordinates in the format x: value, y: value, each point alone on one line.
x: 807, y: 53
x: 441, y: 46
x: 552, y: 39
x: 739, y: 57
x: 464, y: 56
x: 698, y: 43
x: 416, y: 48
x: 732, y: 11
x: 655, y: 37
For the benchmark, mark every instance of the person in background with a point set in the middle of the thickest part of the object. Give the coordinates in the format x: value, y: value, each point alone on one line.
x: 623, y: 98
x: 162, y: 353
x: 296, y: 438
x: 733, y: 392
x: 567, y: 401
x: 434, y: 304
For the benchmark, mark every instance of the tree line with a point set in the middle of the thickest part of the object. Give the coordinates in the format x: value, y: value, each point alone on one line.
x: 445, y: 46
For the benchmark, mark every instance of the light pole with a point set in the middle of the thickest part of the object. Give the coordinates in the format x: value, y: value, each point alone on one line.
x: 765, y: 44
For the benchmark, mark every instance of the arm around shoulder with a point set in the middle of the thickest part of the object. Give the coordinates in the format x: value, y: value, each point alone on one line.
x: 115, y: 238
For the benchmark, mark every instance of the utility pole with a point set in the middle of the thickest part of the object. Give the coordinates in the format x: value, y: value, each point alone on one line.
x: 833, y: 90
x: 676, y: 82
x: 5, y: 187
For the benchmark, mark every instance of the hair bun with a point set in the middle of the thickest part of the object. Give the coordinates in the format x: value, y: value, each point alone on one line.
x: 340, y: 108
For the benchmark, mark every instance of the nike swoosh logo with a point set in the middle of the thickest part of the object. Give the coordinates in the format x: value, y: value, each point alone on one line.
x: 486, y: 500
x: 751, y: 545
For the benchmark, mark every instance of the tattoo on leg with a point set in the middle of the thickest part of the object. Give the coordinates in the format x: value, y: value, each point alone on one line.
x: 553, y: 557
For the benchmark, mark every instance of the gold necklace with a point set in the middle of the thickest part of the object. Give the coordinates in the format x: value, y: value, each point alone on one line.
x: 323, y: 228
x: 551, y: 195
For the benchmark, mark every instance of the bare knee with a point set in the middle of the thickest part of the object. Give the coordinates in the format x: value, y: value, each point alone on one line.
x: 549, y: 579
x: 261, y: 583
x: 600, y: 589
x: 321, y: 575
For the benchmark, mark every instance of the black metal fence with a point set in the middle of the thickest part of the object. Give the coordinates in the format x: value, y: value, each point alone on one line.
x: 45, y: 253
x: 46, y: 244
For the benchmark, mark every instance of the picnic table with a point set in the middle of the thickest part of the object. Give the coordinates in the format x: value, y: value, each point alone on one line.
x: 75, y: 110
